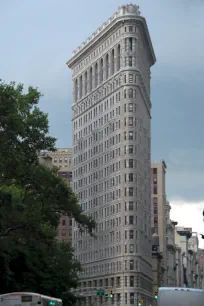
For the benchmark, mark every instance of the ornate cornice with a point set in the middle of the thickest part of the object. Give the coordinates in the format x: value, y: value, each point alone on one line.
x: 125, y: 14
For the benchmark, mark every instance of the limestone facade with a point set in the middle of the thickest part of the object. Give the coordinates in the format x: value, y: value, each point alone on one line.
x: 111, y: 158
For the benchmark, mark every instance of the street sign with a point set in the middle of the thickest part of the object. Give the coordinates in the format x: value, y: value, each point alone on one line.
x: 100, y: 292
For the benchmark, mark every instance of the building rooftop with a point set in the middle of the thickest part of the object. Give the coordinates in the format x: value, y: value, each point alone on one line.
x: 124, y: 10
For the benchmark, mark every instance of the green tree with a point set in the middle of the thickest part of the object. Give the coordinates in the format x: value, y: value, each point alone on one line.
x: 32, y: 200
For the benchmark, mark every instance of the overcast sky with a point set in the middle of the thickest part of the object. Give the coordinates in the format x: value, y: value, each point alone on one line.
x: 38, y: 37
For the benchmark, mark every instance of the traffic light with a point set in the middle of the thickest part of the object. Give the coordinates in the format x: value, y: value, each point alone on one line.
x: 140, y: 302
x: 52, y: 303
x: 111, y: 294
x: 156, y: 294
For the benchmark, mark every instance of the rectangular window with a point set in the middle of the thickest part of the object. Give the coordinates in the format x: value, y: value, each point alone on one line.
x: 118, y: 298
x: 131, y: 220
x: 130, y: 149
x: 63, y: 222
x: 131, y: 281
x: 132, y: 299
x: 130, y: 191
x: 130, y: 121
x: 155, y: 170
x: 155, y: 200
x: 125, y: 281
x: 130, y: 177
x: 131, y: 248
x: 130, y: 135
x: 130, y: 205
x: 155, y: 190
x: 130, y: 163
x: 130, y: 107
x: 130, y: 78
x: 131, y: 264
x: 131, y: 234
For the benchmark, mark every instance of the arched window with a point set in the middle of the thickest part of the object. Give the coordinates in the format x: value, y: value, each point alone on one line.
x: 90, y: 78
x: 101, y: 72
x: 96, y: 75
x: 112, y: 62
x: 130, y: 93
x: 85, y: 83
x: 118, y: 58
x: 76, y: 90
x: 107, y: 66
x: 80, y: 87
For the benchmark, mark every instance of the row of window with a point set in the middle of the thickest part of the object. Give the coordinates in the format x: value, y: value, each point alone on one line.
x: 116, y: 299
x: 106, y: 253
x: 102, y: 93
x: 97, y: 51
x: 108, y: 211
x: 130, y: 107
x: 108, y: 157
x: 107, y: 144
x: 102, y: 70
x: 130, y: 265
x: 97, y: 74
x: 129, y: 281
x: 110, y: 196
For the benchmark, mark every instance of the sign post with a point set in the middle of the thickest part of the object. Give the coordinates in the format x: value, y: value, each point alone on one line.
x: 100, y: 292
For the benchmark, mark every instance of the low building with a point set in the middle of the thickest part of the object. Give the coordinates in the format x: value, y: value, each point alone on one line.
x: 157, y: 267
x: 62, y: 159
x: 179, y: 267
x: 170, y: 248
x: 193, y: 272
x: 201, y: 267
x: 158, y: 217
x: 187, y: 242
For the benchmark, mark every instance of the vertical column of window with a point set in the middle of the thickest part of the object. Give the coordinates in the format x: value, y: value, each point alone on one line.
x: 101, y: 71
x: 118, y: 57
x: 90, y: 79
x: 96, y: 75
x: 134, y: 52
x: 125, y: 51
x: 130, y: 51
x: 85, y: 83
x: 107, y: 66
x: 112, y: 62
x: 80, y: 87
x: 155, y: 191
x: 76, y: 90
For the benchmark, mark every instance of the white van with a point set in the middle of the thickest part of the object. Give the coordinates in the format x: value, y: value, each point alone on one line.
x: 175, y: 296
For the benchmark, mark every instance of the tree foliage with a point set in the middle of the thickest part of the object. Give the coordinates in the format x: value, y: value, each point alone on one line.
x: 32, y: 200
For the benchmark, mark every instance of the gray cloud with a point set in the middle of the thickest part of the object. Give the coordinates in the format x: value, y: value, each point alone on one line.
x: 38, y: 39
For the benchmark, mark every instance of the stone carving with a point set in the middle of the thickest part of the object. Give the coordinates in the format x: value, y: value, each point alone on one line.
x: 122, y: 10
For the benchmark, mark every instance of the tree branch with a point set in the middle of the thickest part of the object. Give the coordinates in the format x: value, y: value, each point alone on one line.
x: 11, y: 230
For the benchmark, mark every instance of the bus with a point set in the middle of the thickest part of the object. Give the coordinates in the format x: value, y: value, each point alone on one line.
x: 169, y: 296
x: 28, y: 299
